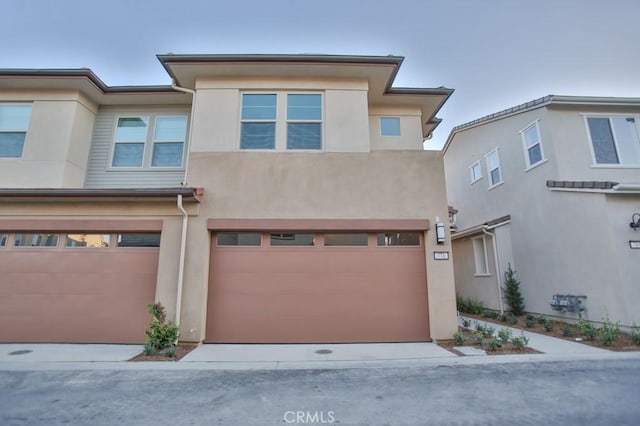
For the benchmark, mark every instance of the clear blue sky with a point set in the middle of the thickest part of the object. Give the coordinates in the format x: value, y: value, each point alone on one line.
x: 494, y: 53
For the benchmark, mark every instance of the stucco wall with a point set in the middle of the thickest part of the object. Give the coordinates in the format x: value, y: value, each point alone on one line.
x: 410, y: 128
x: 377, y: 185
x: 56, y: 143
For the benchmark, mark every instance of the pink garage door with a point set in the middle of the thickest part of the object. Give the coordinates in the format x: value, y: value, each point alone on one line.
x: 317, y: 288
x: 52, y: 290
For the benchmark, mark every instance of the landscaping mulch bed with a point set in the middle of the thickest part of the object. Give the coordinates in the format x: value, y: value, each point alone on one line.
x: 469, y: 335
x: 624, y: 342
x: 182, y: 349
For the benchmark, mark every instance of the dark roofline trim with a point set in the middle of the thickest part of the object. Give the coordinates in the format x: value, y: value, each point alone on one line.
x: 89, y: 75
x: 194, y: 193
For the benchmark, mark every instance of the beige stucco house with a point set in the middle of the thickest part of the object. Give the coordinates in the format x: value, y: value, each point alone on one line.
x: 259, y: 198
x: 550, y: 187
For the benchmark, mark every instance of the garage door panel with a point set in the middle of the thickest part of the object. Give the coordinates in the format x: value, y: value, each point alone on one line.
x: 317, y: 294
x: 76, y: 295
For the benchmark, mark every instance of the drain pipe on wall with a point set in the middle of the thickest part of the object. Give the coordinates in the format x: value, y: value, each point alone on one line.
x: 497, y: 264
x: 185, y: 215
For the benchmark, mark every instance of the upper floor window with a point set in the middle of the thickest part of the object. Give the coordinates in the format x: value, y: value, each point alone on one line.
x: 615, y: 139
x: 258, y: 128
x: 390, y: 126
x: 532, y: 145
x: 262, y: 125
x: 14, y: 120
x: 493, y: 168
x: 476, y: 171
x: 304, y: 121
x: 132, y: 138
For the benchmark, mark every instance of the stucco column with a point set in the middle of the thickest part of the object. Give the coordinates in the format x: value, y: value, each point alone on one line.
x: 440, y: 289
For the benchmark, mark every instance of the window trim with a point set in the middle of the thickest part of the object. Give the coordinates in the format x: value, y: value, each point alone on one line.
x: 486, y: 157
x: 154, y: 142
x: 525, y: 148
x: 399, y: 126
x: 477, y: 273
x: 594, y: 163
x: 25, y: 131
x: 281, y: 121
x: 479, y: 164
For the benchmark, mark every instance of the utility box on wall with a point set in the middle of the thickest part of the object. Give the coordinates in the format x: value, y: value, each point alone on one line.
x: 567, y: 303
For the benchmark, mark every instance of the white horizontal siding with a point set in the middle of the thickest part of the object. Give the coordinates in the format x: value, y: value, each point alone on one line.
x: 98, y: 173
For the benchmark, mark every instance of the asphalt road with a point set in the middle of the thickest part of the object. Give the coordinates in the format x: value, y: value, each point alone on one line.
x: 543, y: 393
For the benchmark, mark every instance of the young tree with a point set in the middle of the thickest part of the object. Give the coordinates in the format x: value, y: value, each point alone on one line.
x: 512, y: 294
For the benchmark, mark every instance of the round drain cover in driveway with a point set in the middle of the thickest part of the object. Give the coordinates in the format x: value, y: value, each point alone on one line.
x: 324, y: 351
x: 21, y: 352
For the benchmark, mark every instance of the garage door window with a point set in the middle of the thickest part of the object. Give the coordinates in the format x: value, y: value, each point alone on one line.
x: 3, y: 240
x: 283, y: 239
x: 36, y: 240
x: 346, y: 239
x: 239, y: 239
x: 399, y: 239
x: 138, y: 240
x: 88, y: 240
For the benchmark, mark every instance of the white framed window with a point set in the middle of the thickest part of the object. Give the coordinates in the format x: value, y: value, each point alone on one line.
x: 480, y: 256
x: 258, y: 121
x: 493, y: 168
x: 389, y: 126
x: 129, y: 141
x: 168, y: 141
x: 14, y: 121
x: 475, y: 171
x: 532, y: 144
x: 614, y: 139
x: 281, y: 121
x: 304, y: 121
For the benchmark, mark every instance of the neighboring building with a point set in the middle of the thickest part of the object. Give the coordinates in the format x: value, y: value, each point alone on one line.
x: 550, y: 187
x: 261, y: 198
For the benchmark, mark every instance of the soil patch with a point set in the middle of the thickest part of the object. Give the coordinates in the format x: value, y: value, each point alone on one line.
x: 560, y: 329
x: 182, y: 349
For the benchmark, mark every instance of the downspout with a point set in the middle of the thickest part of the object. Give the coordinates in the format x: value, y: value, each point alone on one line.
x: 497, y: 265
x: 185, y: 215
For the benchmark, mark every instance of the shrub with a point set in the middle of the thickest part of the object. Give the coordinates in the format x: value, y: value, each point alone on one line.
x: 520, y: 342
x: 548, y: 325
x: 511, y: 318
x: 567, y: 330
x: 170, y: 352
x: 635, y: 334
x: 512, y: 294
x: 479, y: 337
x: 488, y: 331
x: 587, y: 329
x: 493, y: 344
x: 466, y: 323
x: 458, y: 338
x: 504, y: 334
x: 149, y: 349
x: 469, y: 306
x: 479, y: 327
x: 541, y: 319
x: 490, y: 314
x: 160, y: 334
x: 608, y: 333
x: 529, y: 321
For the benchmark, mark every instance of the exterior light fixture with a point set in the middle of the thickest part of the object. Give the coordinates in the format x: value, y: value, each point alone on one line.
x: 440, y: 235
x: 635, y: 221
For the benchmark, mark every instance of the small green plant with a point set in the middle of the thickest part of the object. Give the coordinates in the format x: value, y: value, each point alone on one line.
x: 493, y: 344
x: 635, y: 334
x: 608, y: 333
x: 587, y: 329
x: 488, y: 331
x: 529, y: 321
x: 479, y: 338
x: 504, y: 334
x: 490, y: 314
x: 466, y: 323
x: 541, y: 319
x: 512, y: 294
x: 479, y: 327
x: 170, y: 352
x: 567, y: 330
x: 548, y: 325
x: 520, y: 342
x: 148, y: 349
x: 511, y: 318
x: 458, y: 338
x: 469, y: 306
x: 160, y: 334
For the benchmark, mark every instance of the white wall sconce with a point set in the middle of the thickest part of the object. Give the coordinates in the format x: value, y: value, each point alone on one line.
x: 635, y: 221
x: 440, y: 234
